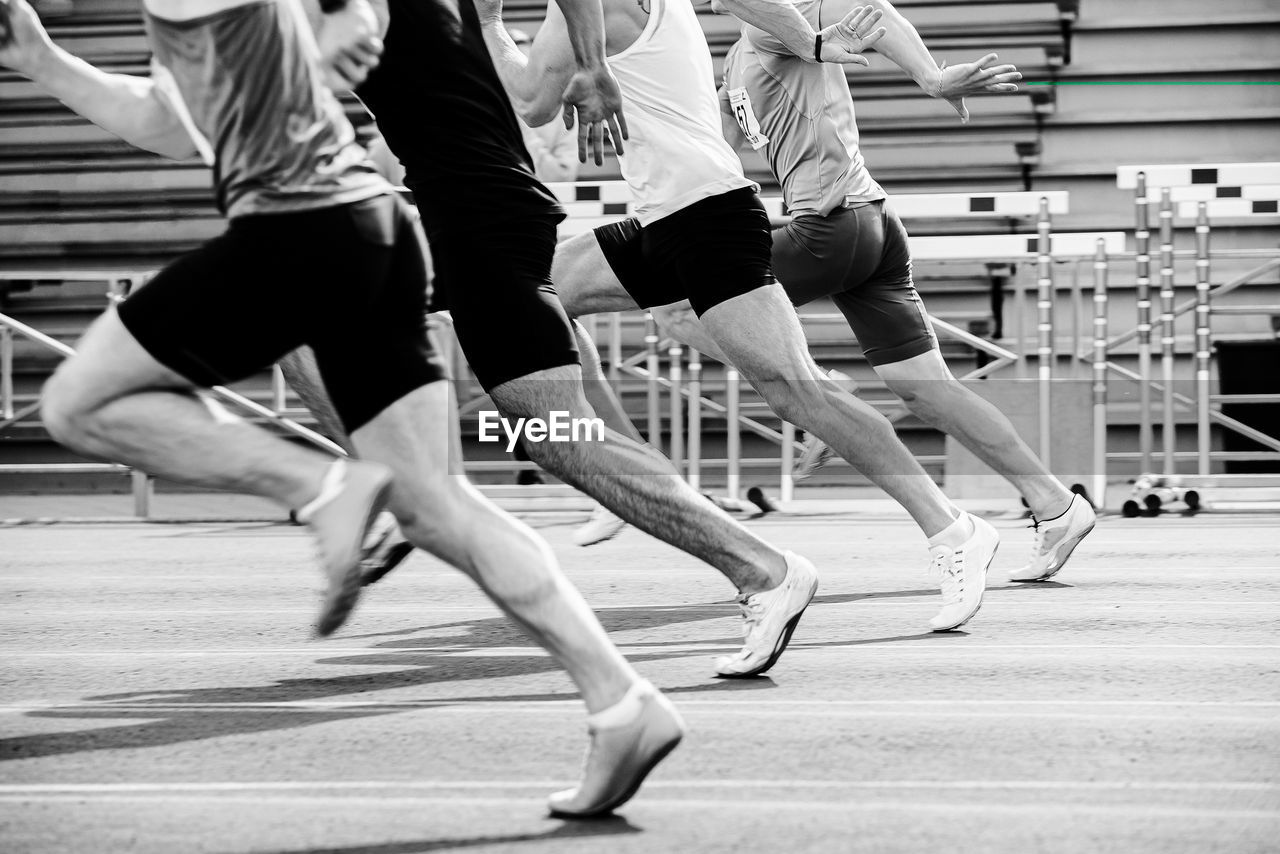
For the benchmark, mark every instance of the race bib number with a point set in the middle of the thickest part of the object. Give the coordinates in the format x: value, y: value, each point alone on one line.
x: 740, y: 103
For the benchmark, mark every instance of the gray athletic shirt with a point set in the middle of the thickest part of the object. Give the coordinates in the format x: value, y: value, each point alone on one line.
x: 246, y: 83
x: 799, y: 115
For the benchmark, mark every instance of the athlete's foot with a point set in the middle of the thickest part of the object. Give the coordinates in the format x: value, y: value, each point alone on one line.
x: 1056, y: 539
x: 963, y: 572
x: 385, y: 548
x: 769, y: 618
x: 815, y: 454
x: 603, y: 525
x: 627, y: 740
x: 351, y: 496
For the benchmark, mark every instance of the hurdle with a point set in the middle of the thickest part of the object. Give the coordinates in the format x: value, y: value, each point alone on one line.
x: 1198, y: 192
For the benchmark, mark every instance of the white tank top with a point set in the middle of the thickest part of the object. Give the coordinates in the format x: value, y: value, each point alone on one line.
x: 675, y: 155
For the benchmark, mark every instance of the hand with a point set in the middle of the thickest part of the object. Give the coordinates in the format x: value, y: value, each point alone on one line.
x: 597, y: 100
x: 973, y: 78
x: 489, y: 10
x: 23, y: 41
x: 845, y: 41
x: 349, y: 45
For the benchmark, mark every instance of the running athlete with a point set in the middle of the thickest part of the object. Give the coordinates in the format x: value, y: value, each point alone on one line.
x: 311, y: 225
x: 844, y: 241
x: 492, y: 229
x: 701, y: 233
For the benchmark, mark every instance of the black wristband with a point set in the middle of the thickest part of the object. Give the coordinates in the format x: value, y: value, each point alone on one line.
x: 328, y: 6
x: 817, y: 48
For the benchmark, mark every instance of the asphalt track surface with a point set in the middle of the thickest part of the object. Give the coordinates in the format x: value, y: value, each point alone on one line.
x: 159, y: 692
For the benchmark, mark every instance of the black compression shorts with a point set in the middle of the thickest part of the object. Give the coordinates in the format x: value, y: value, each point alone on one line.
x: 495, y: 280
x: 708, y: 253
x: 859, y: 257
x: 350, y: 281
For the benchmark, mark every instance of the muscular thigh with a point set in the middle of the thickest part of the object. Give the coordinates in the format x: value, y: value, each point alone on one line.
x: 495, y: 281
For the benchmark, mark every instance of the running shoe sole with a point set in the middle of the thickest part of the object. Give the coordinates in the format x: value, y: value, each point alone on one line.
x: 778, y: 650
x: 395, y: 556
x: 1070, y: 548
x: 610, y: 806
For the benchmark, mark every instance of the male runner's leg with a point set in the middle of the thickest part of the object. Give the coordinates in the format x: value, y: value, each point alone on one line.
x: 859, y: 257
x: 724, y: 240
x: 888, y: 317
x: 132, y: 394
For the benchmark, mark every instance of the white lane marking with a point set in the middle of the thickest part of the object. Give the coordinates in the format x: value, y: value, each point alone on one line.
x: 213, y: 787
x: 931, y: 647
x: 825, y: 711
x: 717, y: 805
x: 1060, y: 601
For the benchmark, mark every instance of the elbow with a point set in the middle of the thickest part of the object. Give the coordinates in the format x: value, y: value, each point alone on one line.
x: 538, y: 113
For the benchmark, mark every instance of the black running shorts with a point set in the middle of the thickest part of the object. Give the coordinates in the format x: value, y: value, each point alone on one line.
x: 859, y: 257
x: 350, y: 281
x: 495, y: 280
x: 708, y: 253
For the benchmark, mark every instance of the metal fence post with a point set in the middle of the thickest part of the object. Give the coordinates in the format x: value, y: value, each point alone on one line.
x: 6, y: 372
x: 1142, y: 239
x: 786, y: 486
x: 1169, y: 429
x: 142, y: 489
x: 734, y: 440
x: 1044, y: 360
x: 615, y: 351
x: 676, y: 354
x: 279, y: 390
x: 1204, y: 341
x: 652, y: 366
x: 1100, y: 374
x: 695, y: 418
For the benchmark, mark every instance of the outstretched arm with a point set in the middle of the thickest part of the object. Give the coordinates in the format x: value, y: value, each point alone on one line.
x: 133, y: 108
x: 903, y: 47
x: 533, y: 83
x: 842, y: 41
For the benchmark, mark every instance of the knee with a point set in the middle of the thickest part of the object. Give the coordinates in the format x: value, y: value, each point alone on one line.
x: 926, y: 398
x: 64, y: 410
x: 797, y: 401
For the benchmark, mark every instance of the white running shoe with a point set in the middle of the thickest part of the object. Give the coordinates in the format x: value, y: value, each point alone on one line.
x: 769, y: 618
x: 603, y: 525
x: 352, y: 495
x: 385, y: 548
x: 814, y: 455
x: 1056, y: 539
x: 627, y: 741
x: 964, y: 575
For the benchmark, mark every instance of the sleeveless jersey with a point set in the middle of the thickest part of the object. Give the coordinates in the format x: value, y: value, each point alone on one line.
x: 799, y: 115
x: 246, y: 83
x: 676, y: 154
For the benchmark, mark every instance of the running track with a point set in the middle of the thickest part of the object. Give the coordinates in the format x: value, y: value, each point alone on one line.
x: 159, y: 693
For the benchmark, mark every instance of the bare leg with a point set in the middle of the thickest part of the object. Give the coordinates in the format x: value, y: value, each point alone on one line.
x: 114, y: 401
x: 931, y: 392
x: 761, y: 335
x: 638, y: 484
x: 599, y: 393
x: 303, y: 376
x: 445, y: 515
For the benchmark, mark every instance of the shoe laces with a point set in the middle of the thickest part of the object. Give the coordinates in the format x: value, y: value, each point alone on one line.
x: 752, y: 608
x: 949, y: 568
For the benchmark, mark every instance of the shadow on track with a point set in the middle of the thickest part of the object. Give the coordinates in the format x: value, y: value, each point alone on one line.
x: 601, y: 827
